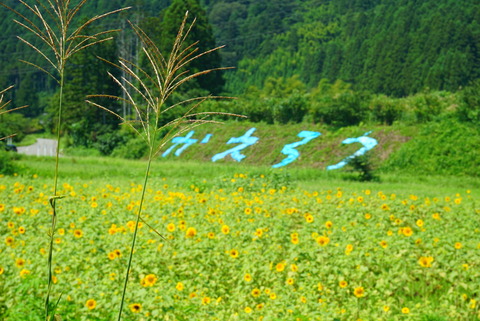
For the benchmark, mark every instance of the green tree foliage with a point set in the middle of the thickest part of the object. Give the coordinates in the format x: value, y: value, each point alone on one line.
x: 397, y: 48
x: 228, y: 17
x: 469, y: 106
x: 15, y: 123
x: 27, y: 94
x: 337, y: 104
x: 7, y: 165
x: 13, y: 71
x: 163, y: 30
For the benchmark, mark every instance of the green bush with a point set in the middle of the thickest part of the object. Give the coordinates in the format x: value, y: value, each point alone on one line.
x: 7, y: 165
x: 385, y: 110
x: 469, y: 106
x: 344, y: 109
x: 15, y: 123
x: 134, y: 148
x: 108, y: 141
x: 291, y: 109
x: 363, y: 166
x: 428, y: 106
x: 221, y: 106
x: 257, y: 109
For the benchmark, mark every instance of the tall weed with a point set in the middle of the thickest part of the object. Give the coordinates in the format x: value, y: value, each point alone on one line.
x: 149, y: 94
x: 54, y: 25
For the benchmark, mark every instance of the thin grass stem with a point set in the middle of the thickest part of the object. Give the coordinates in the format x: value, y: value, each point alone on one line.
x: 52, y: 26
x: 148, y: 92
x: 53, y: 203
x: 134, y: 239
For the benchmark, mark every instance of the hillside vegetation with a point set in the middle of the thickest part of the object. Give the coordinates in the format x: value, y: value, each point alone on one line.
x: 322, y: 64
x: 431, y: 149
x: 392, y: 47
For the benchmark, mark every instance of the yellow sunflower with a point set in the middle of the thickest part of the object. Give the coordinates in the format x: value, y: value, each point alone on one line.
x: 91, y: 304
x: 135, y: 307
x: 359, y: 292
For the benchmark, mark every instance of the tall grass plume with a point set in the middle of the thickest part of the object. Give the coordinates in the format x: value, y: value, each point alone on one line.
x: 54, y: 23
x: 148, y: 94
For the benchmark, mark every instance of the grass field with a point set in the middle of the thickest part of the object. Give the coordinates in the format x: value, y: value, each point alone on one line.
x: 241, y: 243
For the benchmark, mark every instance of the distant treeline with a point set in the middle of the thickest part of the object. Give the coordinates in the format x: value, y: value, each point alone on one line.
x: 282, y: 101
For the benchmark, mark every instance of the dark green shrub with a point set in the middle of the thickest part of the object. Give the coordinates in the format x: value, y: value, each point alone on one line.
x: 222, y: 106
x: 7, y: 165
x: 363, y: 166
x: 344, y: 109
x: 291, y: 109
x: 469, y: 106
x: 134, y: 148
x: 98, y: 136
x: 279, y: 101
x: 15, y: 123
x: 385, y: 110
x: 259, y: 109
x: 428, y: 106
x: 108, y: 141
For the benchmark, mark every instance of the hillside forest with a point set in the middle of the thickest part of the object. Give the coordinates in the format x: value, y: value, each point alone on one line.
x: 331, y: 62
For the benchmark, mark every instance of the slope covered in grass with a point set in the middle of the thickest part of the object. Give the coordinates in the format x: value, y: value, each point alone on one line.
x: 436, y: 148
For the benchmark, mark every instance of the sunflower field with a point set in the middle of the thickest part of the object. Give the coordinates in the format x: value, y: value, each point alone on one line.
x: 246, y: 249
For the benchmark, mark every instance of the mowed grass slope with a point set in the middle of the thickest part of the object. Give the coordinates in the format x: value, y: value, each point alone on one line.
x: 242, y: 243
x: 446, y: 147
x: 327, y: 149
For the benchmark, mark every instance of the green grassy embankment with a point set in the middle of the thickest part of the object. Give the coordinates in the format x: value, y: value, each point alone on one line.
x: 445, y: 147
x: 320, y: 152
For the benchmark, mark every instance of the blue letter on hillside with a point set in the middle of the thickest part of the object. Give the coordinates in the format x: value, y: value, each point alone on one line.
x: 291, y: 152
x: 244, y: 141
x: 367, y: 142
x: 181, y: 140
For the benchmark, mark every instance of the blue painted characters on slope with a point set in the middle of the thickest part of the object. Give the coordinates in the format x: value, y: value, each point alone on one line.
x: 291, y: 152
x: 187, y: 141
x: 244, y: 141
x: 206, y: 139
x: 367, y: 142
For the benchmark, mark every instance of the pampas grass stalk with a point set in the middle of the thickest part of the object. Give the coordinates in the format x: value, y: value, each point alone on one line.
x: 148, y: 94
x: 53, y: 24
